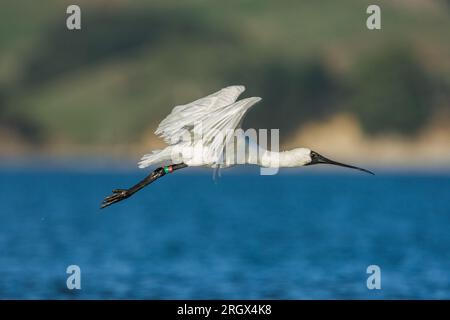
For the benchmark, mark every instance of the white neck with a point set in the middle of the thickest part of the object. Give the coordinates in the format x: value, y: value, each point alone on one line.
x: 257, y: 155
x: 274, y: 159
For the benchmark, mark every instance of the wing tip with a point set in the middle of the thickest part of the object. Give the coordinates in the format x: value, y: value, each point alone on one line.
x: 239, y: 87
x: 252, y: 99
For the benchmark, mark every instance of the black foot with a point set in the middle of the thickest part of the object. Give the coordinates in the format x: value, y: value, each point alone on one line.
x: 118, y: 195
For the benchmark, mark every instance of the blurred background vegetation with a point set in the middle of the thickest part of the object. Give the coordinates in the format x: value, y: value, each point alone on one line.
x: 105, y: 88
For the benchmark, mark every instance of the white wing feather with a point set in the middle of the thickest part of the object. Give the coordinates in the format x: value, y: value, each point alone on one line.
x: 217, y: 115
x: 184, y: 117
x: 218, y: 128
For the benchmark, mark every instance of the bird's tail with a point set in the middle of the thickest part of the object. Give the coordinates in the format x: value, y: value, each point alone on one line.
x: 155, y: 157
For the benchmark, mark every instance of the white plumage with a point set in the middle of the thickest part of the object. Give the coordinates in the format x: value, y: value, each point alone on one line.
x: 200, y: 133
x: 216, y: 116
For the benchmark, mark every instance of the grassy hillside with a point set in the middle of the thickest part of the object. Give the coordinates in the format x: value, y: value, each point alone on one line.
x: 114, y: 80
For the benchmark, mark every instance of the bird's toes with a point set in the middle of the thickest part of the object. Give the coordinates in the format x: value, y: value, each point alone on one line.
x: 108, y: 198
x: 119, y: 191
x: 109, y: 202
x: 118, y: 195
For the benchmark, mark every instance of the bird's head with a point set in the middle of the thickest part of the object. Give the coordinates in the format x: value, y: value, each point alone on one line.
x: 307, y: 157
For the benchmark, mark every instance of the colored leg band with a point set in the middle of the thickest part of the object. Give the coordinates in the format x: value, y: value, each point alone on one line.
x: 168, y: 169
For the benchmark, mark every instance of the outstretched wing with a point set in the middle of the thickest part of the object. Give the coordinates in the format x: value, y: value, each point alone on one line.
x: 218, y: 128
x: 184, y: 117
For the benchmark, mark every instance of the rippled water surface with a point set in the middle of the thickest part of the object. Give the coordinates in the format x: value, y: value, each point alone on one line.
x: 293, y: 235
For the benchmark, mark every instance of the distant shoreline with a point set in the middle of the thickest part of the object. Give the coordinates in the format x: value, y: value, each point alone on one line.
x: 128, y: 165
x: 339, y: 137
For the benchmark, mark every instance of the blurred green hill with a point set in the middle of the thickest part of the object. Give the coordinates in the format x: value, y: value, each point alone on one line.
x: 113, y: 81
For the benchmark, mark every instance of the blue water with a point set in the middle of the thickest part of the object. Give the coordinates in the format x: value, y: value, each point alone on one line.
x: 294, y: 235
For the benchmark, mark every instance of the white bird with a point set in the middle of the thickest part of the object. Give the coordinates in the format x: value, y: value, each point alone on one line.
x: 214, y: 119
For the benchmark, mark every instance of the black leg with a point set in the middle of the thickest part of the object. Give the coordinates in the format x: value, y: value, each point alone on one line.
x: 121, y: 194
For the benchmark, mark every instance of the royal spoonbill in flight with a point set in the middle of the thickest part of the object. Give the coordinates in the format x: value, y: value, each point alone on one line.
x: 214, y: 118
